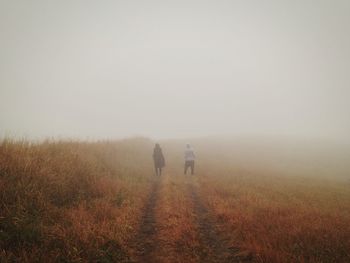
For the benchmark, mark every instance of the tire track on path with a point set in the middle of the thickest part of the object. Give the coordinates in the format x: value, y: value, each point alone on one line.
x: 146, y: 239
x: 213, y: 246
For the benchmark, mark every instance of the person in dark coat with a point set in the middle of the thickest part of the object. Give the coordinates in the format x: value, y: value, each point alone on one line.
x: 158, y: 157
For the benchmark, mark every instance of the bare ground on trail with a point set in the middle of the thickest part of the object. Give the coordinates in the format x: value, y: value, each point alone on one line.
x: 213, y: 246
x: 146, y: 241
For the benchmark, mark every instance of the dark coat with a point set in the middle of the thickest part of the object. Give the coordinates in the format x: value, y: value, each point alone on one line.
x: 158, y: 157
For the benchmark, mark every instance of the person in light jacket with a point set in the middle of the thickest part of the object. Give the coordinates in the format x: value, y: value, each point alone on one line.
x: 158, y: 158
x: 189, y: 159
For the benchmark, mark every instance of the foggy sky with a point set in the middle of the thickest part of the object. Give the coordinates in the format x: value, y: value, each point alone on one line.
x: 110, y: 69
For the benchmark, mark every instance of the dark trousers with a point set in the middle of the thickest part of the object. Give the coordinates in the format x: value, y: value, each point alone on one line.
x: 158, y: 170
x: 189, y: 164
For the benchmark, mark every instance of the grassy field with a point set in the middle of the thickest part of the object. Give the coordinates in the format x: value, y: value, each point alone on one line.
x: 70, y: 201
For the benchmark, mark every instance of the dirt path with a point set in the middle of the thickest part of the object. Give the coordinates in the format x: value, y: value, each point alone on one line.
x: 213, y: 247
x: 177, y: 226
x: 146, y: 238
x: 177, y: 232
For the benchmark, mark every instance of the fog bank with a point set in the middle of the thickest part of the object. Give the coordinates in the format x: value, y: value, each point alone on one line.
x: 161, y: 69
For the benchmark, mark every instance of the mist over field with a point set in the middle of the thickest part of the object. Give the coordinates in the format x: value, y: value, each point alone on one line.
x: 115, y: 69
x: 175, y: 131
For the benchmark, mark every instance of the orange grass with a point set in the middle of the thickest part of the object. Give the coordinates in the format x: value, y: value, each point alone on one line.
x: 281, y: 219
x: 276, y: 201
x: 178, y: 240
x: 71, y: 201
x: 83, y: 202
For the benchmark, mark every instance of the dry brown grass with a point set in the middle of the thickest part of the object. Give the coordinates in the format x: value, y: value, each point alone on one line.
x: 71, y: 201
x: 277, y: 202
x: 276, y: 218
x: 177, y: 230
x: 84, y: 202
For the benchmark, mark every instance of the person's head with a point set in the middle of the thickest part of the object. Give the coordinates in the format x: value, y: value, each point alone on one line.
x: 157, y: 145
x: 188, y: 146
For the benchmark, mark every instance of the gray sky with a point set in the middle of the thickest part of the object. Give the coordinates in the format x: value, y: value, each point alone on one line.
x: 109, y: 69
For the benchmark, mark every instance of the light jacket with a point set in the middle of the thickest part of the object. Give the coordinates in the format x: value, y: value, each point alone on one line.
x: 189, y: 154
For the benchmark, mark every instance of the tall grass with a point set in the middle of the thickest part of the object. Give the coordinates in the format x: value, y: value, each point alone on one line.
x: 276, y: 201
x: 71, y: 201
x: 282, y: 212
x: 68, y: 201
